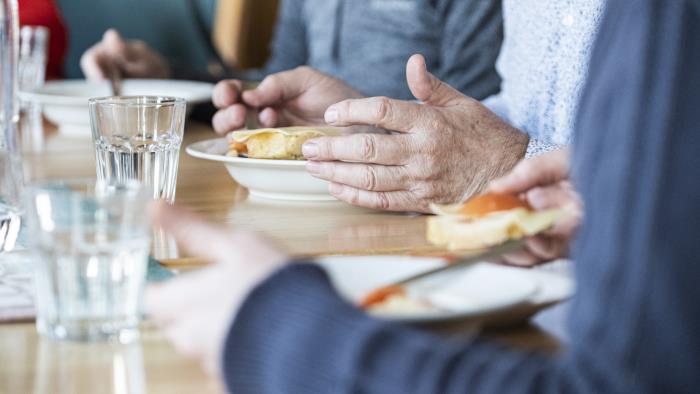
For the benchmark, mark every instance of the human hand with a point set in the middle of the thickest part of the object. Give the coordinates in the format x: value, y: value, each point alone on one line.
x: 195, y: 310
x: 544, y: 182
x: 446, y: 149
x: 297, y: 97
x: 126, y: 59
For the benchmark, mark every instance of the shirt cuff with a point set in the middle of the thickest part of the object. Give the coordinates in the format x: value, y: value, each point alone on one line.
x: 537, y: 147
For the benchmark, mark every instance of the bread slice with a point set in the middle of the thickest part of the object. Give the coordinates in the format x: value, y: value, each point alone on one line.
x: 459, y: 233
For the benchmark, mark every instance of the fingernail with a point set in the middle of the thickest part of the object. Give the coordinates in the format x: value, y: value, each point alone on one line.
x: 335, y: 188
x: 310, y: 150
x: 313, y: 167
x: 331, y: 116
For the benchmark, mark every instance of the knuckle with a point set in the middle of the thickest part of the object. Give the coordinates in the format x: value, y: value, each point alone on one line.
x: 369, y: 178
x: 382, y: 201
x: 382, y: 109
x: 368, y: 147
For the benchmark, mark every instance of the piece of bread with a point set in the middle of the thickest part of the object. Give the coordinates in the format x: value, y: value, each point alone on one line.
x: 486, y: 220
x: 275, y: 143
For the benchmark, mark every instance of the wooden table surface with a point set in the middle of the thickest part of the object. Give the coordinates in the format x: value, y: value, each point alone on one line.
x: 29, y: 363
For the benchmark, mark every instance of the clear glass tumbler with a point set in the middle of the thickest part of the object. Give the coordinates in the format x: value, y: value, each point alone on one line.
x: 11, y: 179
x: 34, y: 42
x: 90, y: 244
x: 139, y: 138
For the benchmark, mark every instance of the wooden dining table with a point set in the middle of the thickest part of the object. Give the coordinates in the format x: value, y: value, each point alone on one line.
x: 30, y: 363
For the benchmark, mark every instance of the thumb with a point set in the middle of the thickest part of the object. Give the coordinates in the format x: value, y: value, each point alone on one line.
x: 113, y: 41
x: 543, y: 170
x: 277, y: 88
x: 426, y: 87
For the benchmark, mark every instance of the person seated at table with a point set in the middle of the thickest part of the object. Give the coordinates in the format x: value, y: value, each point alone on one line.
x: 447, y: 148
x: 356, y: 41
x: 267, y: 327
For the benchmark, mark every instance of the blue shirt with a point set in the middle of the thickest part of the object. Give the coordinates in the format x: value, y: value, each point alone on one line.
x: 366, y: 43
x: 635, y: 321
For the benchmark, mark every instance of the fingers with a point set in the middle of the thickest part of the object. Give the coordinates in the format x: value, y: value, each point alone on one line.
x: 538, y: 171
x: 102, y: 59
x: 557, y: 195
x: 227, y: 93
x: 547, y: 248
x: 229, y: 119
x: 389, y: 114
x: 361, y: 176
x: 522, y: 258
x: 387, y: 201
x: 194, y: 234
x: 359, y: 148
x: 428, y: 88
x: 538, y: 250
x: 269, y: 117
x: 277, y: 88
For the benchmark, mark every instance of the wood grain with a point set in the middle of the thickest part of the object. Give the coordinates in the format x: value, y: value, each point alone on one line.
x: 31, y: 364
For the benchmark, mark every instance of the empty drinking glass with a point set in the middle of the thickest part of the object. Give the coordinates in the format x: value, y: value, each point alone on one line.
x: 90, y: 244
x: 11, y: 180
x: 32, y: 74
x: 139, y: 138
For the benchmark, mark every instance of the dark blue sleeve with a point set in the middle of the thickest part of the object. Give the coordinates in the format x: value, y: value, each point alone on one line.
x: 635, y: 322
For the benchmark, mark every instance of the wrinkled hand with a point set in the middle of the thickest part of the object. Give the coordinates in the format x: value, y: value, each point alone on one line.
x: 127, y: 59
x: 195, y: 309
x: 444, y: 151
x: 291, y: 98
x: 544, y: 182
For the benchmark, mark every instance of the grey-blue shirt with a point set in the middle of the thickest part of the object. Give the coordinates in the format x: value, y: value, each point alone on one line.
x: 367, y: 42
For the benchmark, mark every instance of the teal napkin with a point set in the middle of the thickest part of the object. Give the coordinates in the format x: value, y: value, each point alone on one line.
x: 157, y: 272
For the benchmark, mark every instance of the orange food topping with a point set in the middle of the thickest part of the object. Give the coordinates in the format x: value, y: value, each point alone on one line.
x: 380, y: 295
x: 485, y: 204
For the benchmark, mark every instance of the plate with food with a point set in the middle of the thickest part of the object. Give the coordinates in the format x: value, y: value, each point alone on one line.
x: 478, y: 291
x: 65, y: 102
x: 268, y: 162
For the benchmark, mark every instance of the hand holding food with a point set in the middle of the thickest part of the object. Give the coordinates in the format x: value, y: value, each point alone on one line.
x: 544, y: 183
x: 128, y: 59
x: 445, y: 150
x: 297, y: 97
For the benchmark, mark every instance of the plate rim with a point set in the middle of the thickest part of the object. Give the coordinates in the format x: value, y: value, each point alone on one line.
x: 196, y: 149
x: 73, y: 101
x: 443, y: 317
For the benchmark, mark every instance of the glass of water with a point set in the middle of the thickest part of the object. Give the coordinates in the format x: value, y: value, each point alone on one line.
x: 139, y: 138
x: 90, y: 243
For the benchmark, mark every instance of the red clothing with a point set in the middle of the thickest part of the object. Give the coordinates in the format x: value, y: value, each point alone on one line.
x: 45, y: 13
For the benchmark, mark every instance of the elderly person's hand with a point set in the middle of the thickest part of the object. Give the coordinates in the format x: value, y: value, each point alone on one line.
x: 544, y: 183
x: 297, y: 97
x: 195, y: 309
x: 443, y: 151
x: 127, y: 59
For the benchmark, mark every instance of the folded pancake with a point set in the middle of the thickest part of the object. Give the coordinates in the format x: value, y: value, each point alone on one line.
x: 275, y: 143
x: 486, y: 220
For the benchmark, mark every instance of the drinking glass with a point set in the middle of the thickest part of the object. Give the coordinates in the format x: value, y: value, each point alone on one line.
x: 139, y: 138
x: 90, y: 243
x: 32, y: 74
x: 11, y: 179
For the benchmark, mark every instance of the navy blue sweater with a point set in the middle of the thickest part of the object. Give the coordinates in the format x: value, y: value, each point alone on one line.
x: 635, y: 321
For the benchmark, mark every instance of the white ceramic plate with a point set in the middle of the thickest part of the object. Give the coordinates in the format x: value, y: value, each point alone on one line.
x: 65, y: 102
x: 275, y: 179
x: 479, y: 290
